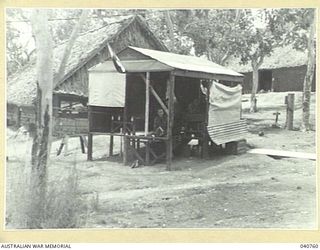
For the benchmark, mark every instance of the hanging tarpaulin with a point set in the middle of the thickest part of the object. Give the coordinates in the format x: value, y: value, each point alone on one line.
x: 107, y: 89
x: 225, y: 104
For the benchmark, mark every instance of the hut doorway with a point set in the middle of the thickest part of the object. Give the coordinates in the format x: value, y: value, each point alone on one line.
x: 265, y: 80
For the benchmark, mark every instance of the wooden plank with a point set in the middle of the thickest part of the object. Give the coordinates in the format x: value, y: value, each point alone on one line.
x: 147, y: 105
x: 163, y: 106
x: 204, y: 75
x: 282, y: 153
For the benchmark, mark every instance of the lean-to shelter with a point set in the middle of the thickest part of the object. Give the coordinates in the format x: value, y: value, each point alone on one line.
x: 126, y: 104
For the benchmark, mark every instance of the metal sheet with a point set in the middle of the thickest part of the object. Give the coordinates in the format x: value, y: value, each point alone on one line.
x: 189, y: 63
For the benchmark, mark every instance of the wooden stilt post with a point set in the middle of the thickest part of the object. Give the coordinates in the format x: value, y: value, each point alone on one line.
x: 124, y: 127
x: 90, y: 143
x: 146, y: 120
x: 169, y: 144
x: 90, y: 136
x: 19, y: 117
x: 111, y: 146
x: 83, y: 149
x: 290, y: 111
x: 205, y: 141
x: 148, y: 153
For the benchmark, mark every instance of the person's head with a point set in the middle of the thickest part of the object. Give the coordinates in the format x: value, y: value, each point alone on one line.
x: 160, y: 112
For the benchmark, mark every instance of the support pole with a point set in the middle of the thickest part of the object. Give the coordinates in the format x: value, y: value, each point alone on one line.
x: 290, y: 111
x: 154, y: 93
x: 205, y: 141
x: 90, y: 142
x: 83, y: 149
x: 90, y: 136
x: 146, y: 119
x: 169, y: 143
x: 124, y: 126
x: 111, y: 146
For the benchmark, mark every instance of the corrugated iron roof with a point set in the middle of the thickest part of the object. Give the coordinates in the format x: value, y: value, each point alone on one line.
x: 189, y: 63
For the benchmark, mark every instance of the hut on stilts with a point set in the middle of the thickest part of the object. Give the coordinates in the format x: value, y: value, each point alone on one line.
x: 186, y: 88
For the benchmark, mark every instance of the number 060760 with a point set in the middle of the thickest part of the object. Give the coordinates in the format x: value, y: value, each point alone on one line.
x: 308, y: 245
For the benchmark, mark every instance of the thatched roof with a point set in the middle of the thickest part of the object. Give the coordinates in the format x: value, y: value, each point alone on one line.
x: 284, y: 57
x: 21, y: 86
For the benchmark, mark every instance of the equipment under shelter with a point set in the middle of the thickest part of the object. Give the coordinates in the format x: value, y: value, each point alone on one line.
x: 200, y: 101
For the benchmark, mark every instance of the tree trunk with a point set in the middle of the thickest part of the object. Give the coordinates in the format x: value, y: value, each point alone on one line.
x: 305, y: 126
x: 255, y: 84
x: 170, y: 28
x: 68, y: 48
x: 41, y: 145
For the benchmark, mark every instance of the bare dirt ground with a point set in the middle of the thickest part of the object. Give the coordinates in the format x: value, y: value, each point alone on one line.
x: 234, y: 191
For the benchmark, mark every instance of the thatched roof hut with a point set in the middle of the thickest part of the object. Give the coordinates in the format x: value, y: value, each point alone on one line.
x: 282, y: 57
x: 284, y: 70
x: 88, y: 50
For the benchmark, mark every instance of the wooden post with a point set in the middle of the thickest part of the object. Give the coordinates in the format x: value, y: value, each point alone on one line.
x: 124, y: 126
x: 205, y: 140
x: 90, y: 142
x: 83, y: 150
x: 169, y: 143
x: 66, y: 144
x: 19, y: 117
x: 90, y: 136
x: 146, y: 116
x: 148, y: 153
x: 290, y: 111
x: 111, y: 146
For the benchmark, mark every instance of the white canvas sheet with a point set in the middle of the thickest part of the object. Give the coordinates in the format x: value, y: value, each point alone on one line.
x: 225, y: 104
x: 107, y: 89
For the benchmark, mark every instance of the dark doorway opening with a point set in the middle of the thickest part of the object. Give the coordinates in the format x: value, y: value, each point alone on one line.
x: 265, y: 80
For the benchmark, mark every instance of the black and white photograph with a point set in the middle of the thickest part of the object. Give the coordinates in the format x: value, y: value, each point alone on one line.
x: 160, y: 118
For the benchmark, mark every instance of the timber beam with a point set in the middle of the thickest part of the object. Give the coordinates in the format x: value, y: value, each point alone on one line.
x: 157, y: 97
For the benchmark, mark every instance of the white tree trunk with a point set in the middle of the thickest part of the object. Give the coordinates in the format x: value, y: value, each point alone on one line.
x: 305, y: 126
x: 255, y: 83
x: 41, y: 145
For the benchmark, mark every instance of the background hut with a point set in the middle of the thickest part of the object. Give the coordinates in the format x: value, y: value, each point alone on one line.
x: 71, y: 93
x: 284, y: 70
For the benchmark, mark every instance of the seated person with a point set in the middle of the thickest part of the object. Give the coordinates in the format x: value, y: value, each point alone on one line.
x: 196, y: 106
x: 160, y: 124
